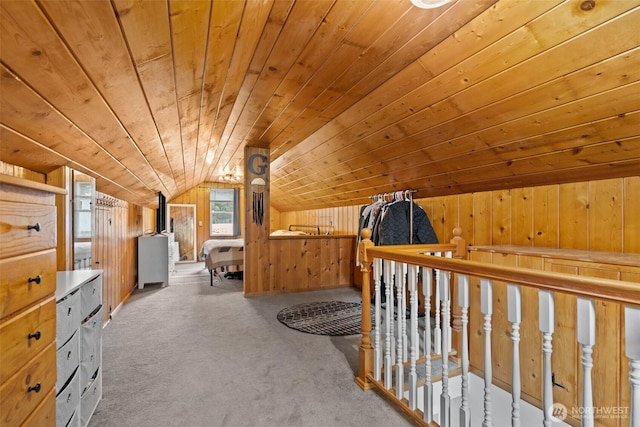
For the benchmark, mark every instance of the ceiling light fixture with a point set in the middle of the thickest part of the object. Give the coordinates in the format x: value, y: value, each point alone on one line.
x: 229, y: 177
x: 429, y: 4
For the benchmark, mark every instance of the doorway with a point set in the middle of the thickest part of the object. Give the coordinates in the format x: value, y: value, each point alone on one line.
x: 182, y: 223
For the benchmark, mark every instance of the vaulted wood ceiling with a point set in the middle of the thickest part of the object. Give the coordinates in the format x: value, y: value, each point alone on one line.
x: 351, y: 97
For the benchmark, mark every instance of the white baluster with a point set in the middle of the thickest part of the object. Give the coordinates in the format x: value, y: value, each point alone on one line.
x: 427, y: 281
x: 437, y: 332
x: 377, y: 350
x: 388, y: 317
x: 405, y: 340
x: 486, y: 306
x: 514, y: 298
x: 463, y: 302
x: 546, y: 324
x: 393, y: 311
x: 449, y: 254
x: 400, y: 320
x: 587, y: 339
x: 445, y: 399
x: 632, y: 346
x: 413, y: 303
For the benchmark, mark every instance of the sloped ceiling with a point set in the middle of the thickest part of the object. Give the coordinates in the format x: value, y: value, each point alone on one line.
x: 352, y: 98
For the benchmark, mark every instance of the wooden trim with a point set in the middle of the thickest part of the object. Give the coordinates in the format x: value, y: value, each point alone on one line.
x: 604, y: 289
x: 403, y: 404
x: 615, y: 258
x: 313, y: 236
x: 26, y: 183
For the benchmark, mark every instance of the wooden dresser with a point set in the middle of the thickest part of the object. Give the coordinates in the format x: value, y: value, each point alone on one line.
x: 27, y: 302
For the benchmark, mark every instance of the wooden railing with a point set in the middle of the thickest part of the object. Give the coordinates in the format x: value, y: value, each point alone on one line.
x: 438, y: 268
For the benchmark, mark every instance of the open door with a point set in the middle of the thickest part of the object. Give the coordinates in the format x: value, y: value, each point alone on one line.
x: 182, y: 223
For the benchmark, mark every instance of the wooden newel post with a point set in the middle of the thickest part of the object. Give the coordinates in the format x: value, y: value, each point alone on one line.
x: 365, y: 359
x: 456, y: 313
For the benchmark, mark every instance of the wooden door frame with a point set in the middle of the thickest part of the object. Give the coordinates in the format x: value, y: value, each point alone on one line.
x: 195, y: 242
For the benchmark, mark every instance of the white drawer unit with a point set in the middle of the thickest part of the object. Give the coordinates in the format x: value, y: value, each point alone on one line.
x: 67, y: 317
x: 90, y: 348
x: 68, y: 401
x: 153, y: 259
x: 90, y: 398
x: 91, y: 296
x: 68, y: 359
x: 75, y: 419
x: 79, y: 346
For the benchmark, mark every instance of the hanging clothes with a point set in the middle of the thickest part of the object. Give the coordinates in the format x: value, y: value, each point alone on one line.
x: 389, y: 217
x: 398, y: 228
x: 368, y: 216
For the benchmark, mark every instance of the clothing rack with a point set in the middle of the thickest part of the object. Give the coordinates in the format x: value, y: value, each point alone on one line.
x: 399, y: 195
x: 395, y: 195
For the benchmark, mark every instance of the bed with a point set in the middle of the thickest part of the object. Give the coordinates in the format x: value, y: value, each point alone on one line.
x: 223, y: 255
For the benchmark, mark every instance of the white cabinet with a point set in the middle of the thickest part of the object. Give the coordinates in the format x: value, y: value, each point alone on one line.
x: 155, y: 259
x: 79, y: 346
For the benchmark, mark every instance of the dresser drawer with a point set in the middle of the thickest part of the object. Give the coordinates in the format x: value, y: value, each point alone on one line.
x: 24, y: 391
x: 68, y: 401
x: 24, y: 336
x: 90, y: 398
x: 19, y: 277
x: 26, y: 228
x: 44, y: 414
x: 25, y: 191
x: 90, y: 348
x: 68, y: 358
x: 91, y: 294
x: 68, y: 317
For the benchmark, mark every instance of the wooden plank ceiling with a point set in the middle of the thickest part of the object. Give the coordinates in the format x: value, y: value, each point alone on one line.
x: 352, y: 97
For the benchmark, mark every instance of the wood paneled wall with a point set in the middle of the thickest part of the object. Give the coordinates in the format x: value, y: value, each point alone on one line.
x: 61, y: 177
x: 306, y: 263
x: 20, y: 172
x: 114, y: 249
x: 343, y: 220
x: 199, y: 196
x: 595, y: 215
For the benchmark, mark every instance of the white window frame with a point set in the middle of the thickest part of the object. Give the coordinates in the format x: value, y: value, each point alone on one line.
x: 224, y: 195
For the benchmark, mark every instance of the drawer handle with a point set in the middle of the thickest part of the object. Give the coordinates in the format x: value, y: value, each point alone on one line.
x: 35, y: 388
x: 36, y: 279
x: 37, y: 335
x: 69, y: 355
x: 34, y: 227
x: 69, y: 312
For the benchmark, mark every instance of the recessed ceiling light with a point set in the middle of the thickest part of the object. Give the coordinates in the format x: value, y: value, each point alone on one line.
x: 429, y: 4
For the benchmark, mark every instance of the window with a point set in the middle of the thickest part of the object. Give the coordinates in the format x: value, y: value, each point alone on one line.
x: 82, y: 196
x: 224, y: 212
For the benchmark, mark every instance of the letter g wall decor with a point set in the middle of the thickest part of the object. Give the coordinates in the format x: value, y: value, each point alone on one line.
x: 257, y: 165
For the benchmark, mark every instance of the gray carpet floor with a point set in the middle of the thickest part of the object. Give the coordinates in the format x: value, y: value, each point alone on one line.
x: 190, y: 354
